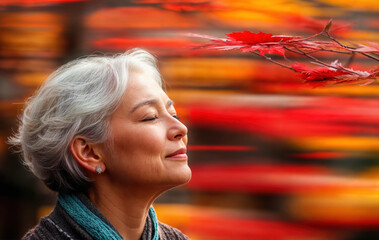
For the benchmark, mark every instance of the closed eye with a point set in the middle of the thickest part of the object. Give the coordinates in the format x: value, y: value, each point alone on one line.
x: 149, y: 119
x: 176, y: 116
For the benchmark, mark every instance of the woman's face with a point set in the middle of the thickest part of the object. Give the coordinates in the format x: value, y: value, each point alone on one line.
x: 148, y: 142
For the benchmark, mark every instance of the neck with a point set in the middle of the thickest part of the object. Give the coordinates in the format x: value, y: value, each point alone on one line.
x: 125, y: 208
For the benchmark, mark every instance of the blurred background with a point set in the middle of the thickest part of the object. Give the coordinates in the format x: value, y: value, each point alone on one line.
x: 272, y: 158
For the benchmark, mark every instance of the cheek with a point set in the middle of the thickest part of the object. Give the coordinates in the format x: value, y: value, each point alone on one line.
x: 136, y: 155
x: 138, y: 142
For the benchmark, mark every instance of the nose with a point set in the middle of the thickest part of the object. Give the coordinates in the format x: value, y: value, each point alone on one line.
x: 177, y: 130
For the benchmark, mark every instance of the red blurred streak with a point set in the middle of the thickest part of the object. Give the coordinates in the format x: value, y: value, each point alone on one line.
x: 184, y: 7
x: 233, y: 228
x: 323, y: 117
x: 124, y: 43
x: 369, y: 223
x: 317, y: 25
x: 319, y: 155
x: 279, y: 179
x: 220, y: 148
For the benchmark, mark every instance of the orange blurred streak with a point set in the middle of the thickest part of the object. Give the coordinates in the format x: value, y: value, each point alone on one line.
x: 125, y: 43
x: 361, y: 36
x: 207, y: 71
x: 33, y: 20
x: 265, y: 14
x: 367, y: 5
x: 348, y: 209
x: 301, y: 88
x: 233, y: 228
x: 144, y: 17
x: 225, y: 225
x: 31, y: 34
x: 336, y: 143
x: 27, y: 64
x: 247, y: 73
x: 219, y: 148
x: 171, y: 1
x: 30, y: 79
x: 11, y: 108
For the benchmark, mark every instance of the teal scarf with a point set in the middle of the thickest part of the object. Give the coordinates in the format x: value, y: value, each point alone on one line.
x: 92, y: 223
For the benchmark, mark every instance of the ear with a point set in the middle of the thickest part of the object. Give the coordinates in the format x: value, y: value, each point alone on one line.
x: 86, y: 154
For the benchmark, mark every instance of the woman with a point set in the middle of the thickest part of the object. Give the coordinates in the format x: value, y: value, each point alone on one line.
x: 103, y: 134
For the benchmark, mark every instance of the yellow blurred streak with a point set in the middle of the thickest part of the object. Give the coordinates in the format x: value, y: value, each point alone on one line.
x: 369, y: 90
x: 358, y: 35
x: 368, y: 5
x: 246, y: 15
x: 262, y: 14
x: 338, y: 143
x: 30, y: 79
x: 208, y: 71
x: 272, y: 7
x: 334, y: 207
x: 193, y: 95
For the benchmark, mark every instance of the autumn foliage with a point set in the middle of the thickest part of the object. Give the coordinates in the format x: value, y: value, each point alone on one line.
x: 265, y: 44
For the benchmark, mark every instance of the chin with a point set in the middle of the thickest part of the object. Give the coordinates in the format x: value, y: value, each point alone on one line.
x: 180, y: 177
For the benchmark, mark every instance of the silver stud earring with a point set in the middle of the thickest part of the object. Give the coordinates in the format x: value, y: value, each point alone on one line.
x: 98, y: 169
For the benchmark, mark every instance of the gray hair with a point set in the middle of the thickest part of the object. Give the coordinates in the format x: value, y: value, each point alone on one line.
x: 77, y: 99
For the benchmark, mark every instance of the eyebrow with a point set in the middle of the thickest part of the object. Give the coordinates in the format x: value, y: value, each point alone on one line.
x: 150, y: 102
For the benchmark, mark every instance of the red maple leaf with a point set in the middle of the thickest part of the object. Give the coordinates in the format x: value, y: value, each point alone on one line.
x: 322, y: 76
x: 257, y: 38
x: 317, y: 74
x: 263, y: 42
x: 249, y: 37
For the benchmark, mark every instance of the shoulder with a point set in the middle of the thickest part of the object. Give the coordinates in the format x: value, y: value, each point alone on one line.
x: 44, y: 230
x: 168, y: 232
x: 57, y: 225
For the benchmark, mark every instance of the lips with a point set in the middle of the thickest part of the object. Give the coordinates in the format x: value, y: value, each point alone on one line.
x: 181, y: 153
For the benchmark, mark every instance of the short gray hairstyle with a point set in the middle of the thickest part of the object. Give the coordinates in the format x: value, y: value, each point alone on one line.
x: 77, y: 99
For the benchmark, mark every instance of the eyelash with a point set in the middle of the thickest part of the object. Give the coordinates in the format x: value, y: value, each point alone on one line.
x: 155, y: 117
x: 149, y: 119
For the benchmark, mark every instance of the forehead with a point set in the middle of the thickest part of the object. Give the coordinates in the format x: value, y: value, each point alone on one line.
x: 142, y: 86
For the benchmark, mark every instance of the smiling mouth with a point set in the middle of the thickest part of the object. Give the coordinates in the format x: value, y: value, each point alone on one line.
x: 180, y: 154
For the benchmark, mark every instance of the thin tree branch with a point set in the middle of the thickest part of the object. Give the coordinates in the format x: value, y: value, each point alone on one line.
x: 275, y: 62
x: 325, y: 64
x: 349, y: 47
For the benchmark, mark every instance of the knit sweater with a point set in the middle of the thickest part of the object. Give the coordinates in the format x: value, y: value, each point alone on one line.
x: 59, y: 225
